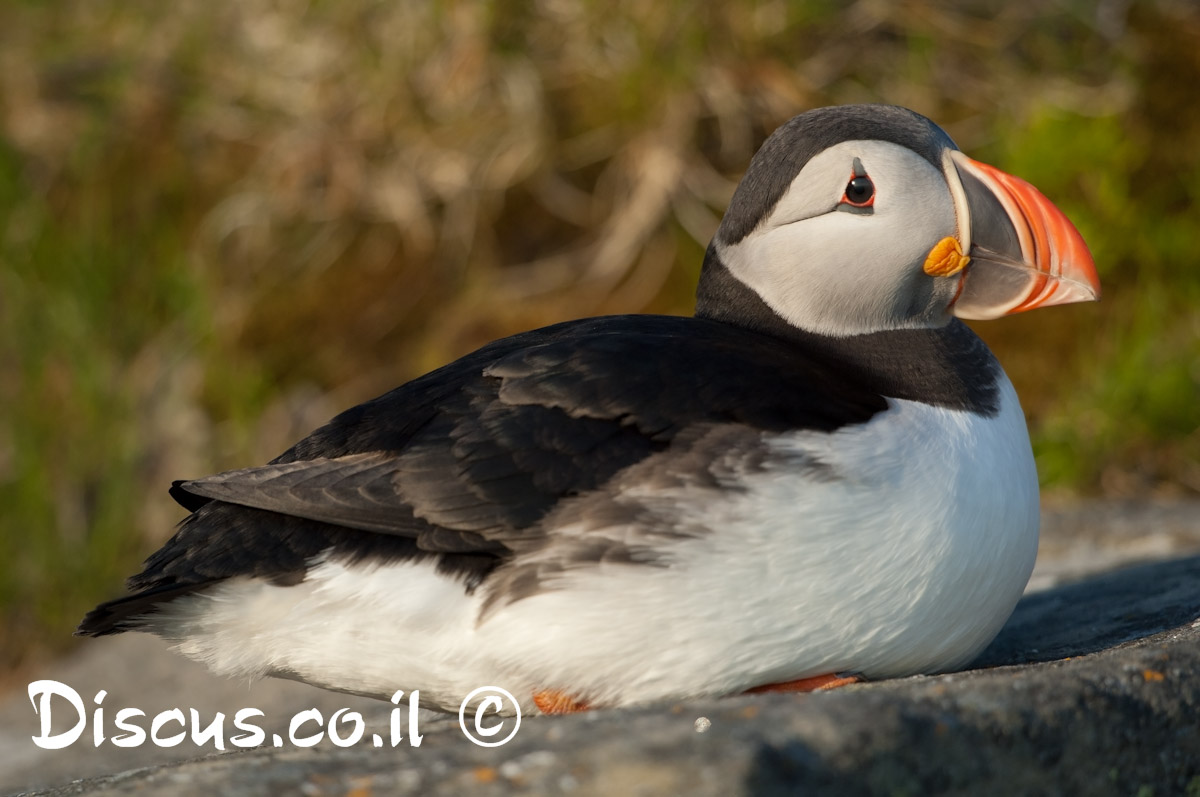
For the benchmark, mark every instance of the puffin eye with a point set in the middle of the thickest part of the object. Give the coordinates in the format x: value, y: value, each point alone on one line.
x: 860, y: 192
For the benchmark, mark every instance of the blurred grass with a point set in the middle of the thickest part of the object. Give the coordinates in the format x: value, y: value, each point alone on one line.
x: 221, y: 223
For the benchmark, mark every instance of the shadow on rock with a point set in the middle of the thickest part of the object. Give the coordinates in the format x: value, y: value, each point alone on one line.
x: 1098, y: 613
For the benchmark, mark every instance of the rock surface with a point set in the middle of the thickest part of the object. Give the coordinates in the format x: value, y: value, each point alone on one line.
x: 1093, y: 687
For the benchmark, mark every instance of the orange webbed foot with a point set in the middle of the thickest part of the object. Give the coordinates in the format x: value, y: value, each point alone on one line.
x: 552, y: 701
x: 815, y: 683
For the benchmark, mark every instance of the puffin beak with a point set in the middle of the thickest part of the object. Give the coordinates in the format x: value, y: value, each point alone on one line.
x: 1015, y: 250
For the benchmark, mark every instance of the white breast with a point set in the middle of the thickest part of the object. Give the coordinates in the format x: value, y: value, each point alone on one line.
x: 907, y: 558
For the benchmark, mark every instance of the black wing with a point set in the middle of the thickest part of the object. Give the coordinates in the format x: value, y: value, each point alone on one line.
x: 461, y: 464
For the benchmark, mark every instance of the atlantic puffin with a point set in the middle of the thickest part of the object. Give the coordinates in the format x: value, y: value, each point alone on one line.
x: 822, y: 476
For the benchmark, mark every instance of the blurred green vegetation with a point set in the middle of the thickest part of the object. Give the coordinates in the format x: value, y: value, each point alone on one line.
x: 222, y: 222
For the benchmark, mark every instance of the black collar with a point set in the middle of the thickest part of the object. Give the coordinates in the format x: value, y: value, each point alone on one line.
x: 949, y: 366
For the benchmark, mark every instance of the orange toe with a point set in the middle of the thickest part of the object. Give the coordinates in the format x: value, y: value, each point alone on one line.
x: 552, y: 701
x: 816, y: 683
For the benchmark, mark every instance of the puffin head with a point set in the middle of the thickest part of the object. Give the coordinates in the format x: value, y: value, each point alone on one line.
x: 864, y: 218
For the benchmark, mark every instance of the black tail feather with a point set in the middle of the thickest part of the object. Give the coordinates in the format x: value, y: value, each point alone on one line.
x: 189, y: 501
x: 131, y: 612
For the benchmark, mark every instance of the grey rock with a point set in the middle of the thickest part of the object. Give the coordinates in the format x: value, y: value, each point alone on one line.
x: 1093, y: 687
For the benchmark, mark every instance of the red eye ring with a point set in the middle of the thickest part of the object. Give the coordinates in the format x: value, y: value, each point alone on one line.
x: 860, y: 192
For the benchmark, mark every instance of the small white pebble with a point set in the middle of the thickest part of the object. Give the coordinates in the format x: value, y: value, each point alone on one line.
x: 538, y: 759
x: 703, y: 724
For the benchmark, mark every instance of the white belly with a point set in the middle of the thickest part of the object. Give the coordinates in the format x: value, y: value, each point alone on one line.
x: 905, y: 555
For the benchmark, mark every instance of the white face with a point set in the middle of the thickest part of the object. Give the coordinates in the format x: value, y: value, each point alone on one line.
x: 827, y: 266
